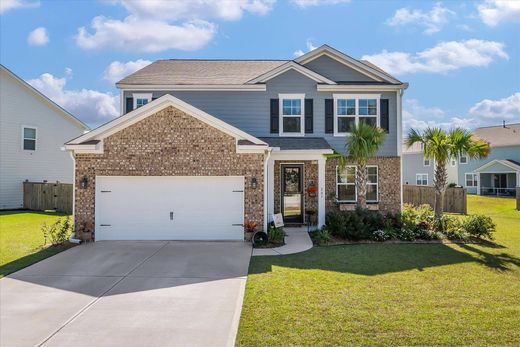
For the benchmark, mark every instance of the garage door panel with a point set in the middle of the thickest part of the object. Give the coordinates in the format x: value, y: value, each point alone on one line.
x: 169, y: 208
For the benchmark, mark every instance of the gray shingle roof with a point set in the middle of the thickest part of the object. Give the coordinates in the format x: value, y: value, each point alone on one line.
x: 500, y: 136
x: 297, y: 143
x: 205, y: 72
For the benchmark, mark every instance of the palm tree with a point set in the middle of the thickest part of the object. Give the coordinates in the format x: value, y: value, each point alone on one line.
x: 441, y: 146
x: 362, y: 144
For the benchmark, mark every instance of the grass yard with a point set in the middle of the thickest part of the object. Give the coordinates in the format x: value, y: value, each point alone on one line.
x: 21, y: 241
x: 390, y: 294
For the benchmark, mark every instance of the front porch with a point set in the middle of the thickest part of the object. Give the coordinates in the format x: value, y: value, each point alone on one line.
x: 498, y: 178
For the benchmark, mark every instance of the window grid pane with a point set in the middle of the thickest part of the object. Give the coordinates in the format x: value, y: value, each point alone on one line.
x: 29, y: 144
x: 291, y: 107
x: 29, y: 133
x: 291, y: 124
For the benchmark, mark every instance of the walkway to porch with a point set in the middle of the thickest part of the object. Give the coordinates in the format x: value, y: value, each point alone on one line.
x: 296, y: 240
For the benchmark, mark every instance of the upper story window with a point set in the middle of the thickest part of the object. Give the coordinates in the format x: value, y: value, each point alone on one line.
x: 351, y: 109
x: 453, y: 162
x: 463, y: 159
x: 427, y: 162
x: 292, y: 114
x: 29, y: 138
x: 141, y: 99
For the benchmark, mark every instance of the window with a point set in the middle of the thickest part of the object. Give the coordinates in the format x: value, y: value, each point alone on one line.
x: 141, y: 99
x: 29, y: 139
x: 292, y: 111
x: 453, y: 162
x: 346, y: 184
x: 421, y: 179
x: 426, y: 162
x: 471, y: 179
x: 350, y: 110
x: 463, y: 159
x: 372, y: 184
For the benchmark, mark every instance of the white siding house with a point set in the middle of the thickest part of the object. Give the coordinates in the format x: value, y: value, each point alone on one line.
x: 33, y: 130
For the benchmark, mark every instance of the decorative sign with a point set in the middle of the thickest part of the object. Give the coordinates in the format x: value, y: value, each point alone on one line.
x: 278, y: 220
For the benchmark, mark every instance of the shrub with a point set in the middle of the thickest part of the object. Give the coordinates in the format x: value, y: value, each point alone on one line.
x: 480, y: 226
x: 275, y: 235
x: 418, y: 218
x: 58, y: 232
x: 321, y: 236
x: 355, y: 225
x: 380, y: 235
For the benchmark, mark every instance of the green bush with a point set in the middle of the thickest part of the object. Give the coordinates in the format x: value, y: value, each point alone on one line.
x: 480, y: 226
x: 58, y: 232
x: 418, y: 218
x: 276, y: 235
x: 321, y: 236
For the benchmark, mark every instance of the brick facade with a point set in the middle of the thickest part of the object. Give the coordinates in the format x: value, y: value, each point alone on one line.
x: 169, y: 143
x: 389, y: 174
x: 310, y: 176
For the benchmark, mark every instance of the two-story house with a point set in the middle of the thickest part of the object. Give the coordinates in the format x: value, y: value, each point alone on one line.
x: 499, y: 172
x: 203, y: 145
x: 32, y: 132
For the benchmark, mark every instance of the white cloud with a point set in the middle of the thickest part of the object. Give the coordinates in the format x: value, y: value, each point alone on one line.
x: 117, y: 70
x: 309, y: 3
x: 417, y: 116
x: 498, y: 110
x: 433, y: 20
x: 7, y: 5
x: 155, y: 26
x: 494, y: 12
x: 38, y: 37
x: 444, y: 57
x: 91, y: 106
x: 310, y: 47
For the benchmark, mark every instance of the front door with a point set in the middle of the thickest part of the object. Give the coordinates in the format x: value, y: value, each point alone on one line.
x: 292, y: 193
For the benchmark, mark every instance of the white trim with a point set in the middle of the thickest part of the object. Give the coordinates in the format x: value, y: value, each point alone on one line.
x: 346, y: 88
x: 281, y: 98
x: 345, y: 60
x: 135, y: 96
x: 45, y: 99
x: 463, y: 156
x: 266, y: 188
x: 122, y: 105
x: 499, y: 161
x: 321, y: 191
x: 290, y: 65
x: 347, y: 184
x: 399, y: 125
x: 356, y: 116
x: 474, y: 179
x: 376, y: 184
x: 197, y: 87
x: 422, y: 179
x: 290, y: 163
x: 35, y: 137
x: 153, y: 107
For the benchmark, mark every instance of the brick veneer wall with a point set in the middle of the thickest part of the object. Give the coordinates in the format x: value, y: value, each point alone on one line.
x: 310, y: 175
x: 169, y: 143
x: 389, y: 172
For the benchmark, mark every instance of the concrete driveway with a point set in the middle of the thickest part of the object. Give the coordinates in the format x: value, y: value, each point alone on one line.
x: 119, y: 293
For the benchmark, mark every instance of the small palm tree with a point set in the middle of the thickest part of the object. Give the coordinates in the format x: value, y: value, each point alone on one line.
x: 362, y: 144
x: 441, y: 146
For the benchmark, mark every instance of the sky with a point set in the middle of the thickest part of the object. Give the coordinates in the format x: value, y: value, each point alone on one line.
x: 460, y: 58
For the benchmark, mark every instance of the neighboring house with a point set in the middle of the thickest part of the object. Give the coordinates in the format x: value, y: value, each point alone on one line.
x: 499, y: 173
x: 419, y: 171
x: 33, y: 130
x: 203, y: 145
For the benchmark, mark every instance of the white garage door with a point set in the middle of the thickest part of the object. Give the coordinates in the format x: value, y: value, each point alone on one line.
x: 169, y: 208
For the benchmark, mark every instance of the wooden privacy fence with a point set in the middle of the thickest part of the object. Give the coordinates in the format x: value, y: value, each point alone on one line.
x: 455, y: 200
x: 47, y: 196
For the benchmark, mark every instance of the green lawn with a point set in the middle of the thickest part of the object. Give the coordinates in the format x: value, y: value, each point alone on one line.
x: 21, y: 241
x: 390, y: 294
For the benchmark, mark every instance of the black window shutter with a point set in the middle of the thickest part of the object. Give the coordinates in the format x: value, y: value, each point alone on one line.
x: 329, y: 116
x: 309, y: 116
x: 275, y: 115
x: 129, y: 104
x: 385, y: 121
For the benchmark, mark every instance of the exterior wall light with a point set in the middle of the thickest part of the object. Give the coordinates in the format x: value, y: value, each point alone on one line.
x: 83, y: 182
x: 253, y: 182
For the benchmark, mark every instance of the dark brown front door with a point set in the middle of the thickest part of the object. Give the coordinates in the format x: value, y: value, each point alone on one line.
x: 292, y: 193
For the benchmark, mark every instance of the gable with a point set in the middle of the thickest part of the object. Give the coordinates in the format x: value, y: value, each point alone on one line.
x: 498, y: 166
x: 291, y: 66
x: 336, y: 71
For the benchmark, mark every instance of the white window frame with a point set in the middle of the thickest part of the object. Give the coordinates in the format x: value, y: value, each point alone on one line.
x: 474, y: 179
x: 422, y: 176
x: 35, y: 137
x: 136, y: 96
x: 346, y: 184
x: 460, y: 159
x: 374, y: 184
x: 429, y: 162
x: 356, y: 116
x: 453, y: 162
x: 281, y: 98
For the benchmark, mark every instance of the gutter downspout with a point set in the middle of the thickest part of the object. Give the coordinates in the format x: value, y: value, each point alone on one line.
x: 266, y: 195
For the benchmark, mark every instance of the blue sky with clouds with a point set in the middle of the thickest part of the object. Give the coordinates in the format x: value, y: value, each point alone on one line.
x: 462, y: 59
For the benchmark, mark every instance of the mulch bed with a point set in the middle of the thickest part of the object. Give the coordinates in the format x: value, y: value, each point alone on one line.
x: 339, y: 242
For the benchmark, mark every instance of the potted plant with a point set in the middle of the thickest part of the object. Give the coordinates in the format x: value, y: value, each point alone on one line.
x: 249, y: 228
x: 85, y: 232
x: 312, y: 190
x: 312, y: 215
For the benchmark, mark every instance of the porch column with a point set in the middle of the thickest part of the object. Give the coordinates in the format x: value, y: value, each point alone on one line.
x: 478, y: 183
x: 321, y: 187
x: 270, y: 191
